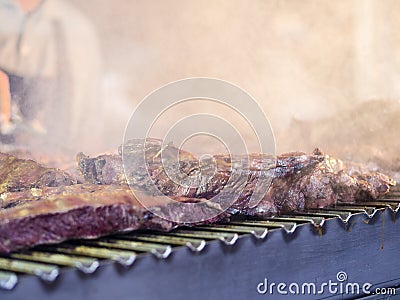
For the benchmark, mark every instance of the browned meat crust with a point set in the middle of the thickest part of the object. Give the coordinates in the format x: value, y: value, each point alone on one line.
x: 52, y: 215
x: 299, y: 180
x: 19, y: 174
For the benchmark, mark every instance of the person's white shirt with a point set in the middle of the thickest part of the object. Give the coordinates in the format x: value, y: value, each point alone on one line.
x: 28, y: 48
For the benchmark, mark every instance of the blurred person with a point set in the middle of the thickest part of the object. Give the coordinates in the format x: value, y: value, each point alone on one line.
x: 49, y: 72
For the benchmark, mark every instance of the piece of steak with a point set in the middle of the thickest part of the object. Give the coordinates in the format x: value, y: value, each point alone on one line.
x: 298, y: 180
x: 34, y: 213
x: 52, y: 215
x: 19, y: 174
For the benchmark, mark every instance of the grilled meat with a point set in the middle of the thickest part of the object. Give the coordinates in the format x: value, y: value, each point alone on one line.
x: 52, y: 215
x: 20, y: 174
x: 298, y: 180
x: 43, y: 205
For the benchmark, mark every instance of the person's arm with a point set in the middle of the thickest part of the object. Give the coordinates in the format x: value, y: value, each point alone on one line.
x: 5, y: 99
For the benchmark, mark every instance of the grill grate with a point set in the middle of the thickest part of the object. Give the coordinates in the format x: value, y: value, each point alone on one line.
x: 87, y: 255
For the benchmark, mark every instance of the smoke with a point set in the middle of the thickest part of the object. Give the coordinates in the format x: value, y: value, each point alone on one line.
x: 307, y: 63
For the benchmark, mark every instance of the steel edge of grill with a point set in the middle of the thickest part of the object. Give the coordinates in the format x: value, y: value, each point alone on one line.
x: 86, y: 256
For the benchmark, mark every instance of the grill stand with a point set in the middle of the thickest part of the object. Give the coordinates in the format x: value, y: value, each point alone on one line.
x: 367, y: 249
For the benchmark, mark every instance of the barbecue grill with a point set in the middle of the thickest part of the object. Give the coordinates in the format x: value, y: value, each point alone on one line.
x: 358, y: 240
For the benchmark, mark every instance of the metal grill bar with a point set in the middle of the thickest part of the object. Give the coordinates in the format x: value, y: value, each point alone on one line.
x: 316, y: 221
x: 8, y: 280
x: 367, y: 210
x: 125, y: 258
x: 46, y: 272
x: 160, y: 251
x: 393, y: 194
x: 225, y: 237
x: 257, y: 232
x: 289, y: 227
x: 85, y: 264
x: 344, y: 216
x: 194, y: 244
x: 394, y: 206
x: 389, y: 199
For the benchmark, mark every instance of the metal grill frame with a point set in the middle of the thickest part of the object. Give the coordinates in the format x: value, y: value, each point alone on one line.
x: 233, y: 272
x: 362, y: 242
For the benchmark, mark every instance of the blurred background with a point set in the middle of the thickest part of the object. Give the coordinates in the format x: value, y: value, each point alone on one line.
x: 326, y: 73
